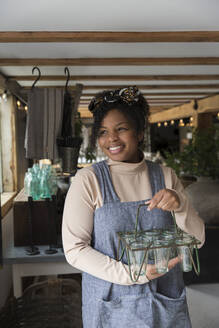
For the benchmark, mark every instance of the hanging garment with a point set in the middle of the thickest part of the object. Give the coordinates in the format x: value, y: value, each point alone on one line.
x: 44, y: 119
x: 161, y: 303
x: 67, y: 115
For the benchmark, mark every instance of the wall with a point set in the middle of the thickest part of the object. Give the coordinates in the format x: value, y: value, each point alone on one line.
x: 6, y: 272
x: 7, y: 144
x: 203, y: 302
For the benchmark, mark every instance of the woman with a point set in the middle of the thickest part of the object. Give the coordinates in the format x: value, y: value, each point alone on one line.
x: 103, y: 200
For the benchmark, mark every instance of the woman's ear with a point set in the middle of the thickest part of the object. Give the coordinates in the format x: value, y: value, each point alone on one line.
x: 140, y: 136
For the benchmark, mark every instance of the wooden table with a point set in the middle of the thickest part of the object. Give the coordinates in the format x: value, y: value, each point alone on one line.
x: 24, y: 265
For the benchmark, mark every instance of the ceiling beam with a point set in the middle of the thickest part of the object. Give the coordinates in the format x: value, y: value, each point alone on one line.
x: 14, y: 88
x: 169, y: 77
x: 85, y: 113
x: 149, y: 99
x: 157, y: 102
x: 140, y: 86
x: 206, y: 105
x: 192, y: 94
x: 156, y: 87
x: 95, y: 36
x: 171, y: 61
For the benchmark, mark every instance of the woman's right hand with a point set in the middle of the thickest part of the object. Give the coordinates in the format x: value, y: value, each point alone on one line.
x: 151, y: 272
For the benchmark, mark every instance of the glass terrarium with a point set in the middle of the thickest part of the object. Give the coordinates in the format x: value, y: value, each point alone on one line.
x: 157, y: 246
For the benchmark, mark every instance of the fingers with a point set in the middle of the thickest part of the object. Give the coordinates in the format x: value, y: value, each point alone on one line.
x: 164, y: 199
x: 151, y: 272
x: 173, y: 262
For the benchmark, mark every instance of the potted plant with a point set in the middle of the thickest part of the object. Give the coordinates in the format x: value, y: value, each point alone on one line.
x: 200, y: 159
x: 69, y: 146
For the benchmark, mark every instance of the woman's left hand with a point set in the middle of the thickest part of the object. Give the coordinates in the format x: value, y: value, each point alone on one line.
x: 164, y: 199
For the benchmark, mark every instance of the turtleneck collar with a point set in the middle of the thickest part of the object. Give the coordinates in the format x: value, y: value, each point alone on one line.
x: 127, y: 168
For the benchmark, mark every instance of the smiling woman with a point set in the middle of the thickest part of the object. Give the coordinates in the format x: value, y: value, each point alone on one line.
x: 103, y: 199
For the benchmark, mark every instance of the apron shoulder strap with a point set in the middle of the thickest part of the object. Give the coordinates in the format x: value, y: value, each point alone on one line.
x: 102, y: 172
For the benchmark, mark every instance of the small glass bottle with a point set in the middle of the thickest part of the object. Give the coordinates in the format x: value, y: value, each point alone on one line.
x: 31, y: 184
x: 44, y: 184
x: 53, y: 182
x: 27, y: 182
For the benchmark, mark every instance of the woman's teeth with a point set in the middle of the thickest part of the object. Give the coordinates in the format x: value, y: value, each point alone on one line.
x: 115, y: 150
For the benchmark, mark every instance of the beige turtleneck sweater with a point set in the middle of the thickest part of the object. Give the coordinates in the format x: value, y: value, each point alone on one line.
x: 131, y: 183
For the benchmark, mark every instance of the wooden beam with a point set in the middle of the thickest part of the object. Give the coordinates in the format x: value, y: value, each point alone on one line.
x: 152, y: 100
x: 14, y: 87
x: 185, y: 110
x: 156, y: 86
x: 85, y: 113
x: 206, y: 105
x: 170, y: 77
x: 140, y: 86
x: 146, y: 94
x: 171, y: 61
x: 93, y: 36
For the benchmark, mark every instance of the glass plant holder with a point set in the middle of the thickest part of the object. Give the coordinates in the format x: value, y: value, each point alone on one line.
x: 137, y: 256
x: 161, y: 251
x: 185, y: 250
x: 142, y: 246
x: 152, y: 235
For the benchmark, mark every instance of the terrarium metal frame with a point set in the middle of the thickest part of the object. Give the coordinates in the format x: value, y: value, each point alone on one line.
x: 127, y: 248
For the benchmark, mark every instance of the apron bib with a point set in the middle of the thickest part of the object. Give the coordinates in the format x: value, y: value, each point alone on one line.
x: 161, y: 303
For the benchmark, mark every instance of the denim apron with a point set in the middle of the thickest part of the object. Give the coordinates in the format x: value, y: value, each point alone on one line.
x: 161, y: 303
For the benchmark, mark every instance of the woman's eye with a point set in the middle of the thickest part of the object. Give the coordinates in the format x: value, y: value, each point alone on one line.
x: 122, y: 129
x: 102, y: 133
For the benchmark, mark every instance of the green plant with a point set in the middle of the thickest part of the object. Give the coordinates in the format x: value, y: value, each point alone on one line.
x: 90, y: 154
x: 199, y: 157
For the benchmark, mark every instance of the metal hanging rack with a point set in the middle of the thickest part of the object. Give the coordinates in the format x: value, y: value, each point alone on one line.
x: 38, y: 77
x: 127, y: 246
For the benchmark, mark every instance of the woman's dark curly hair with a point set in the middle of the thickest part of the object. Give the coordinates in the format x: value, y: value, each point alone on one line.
x: 127, y: 100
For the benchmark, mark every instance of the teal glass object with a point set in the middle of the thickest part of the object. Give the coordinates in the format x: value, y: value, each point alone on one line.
x: 161, y: 255
x: 53, y: 182
x: 31, y: 184
x: 36, y: 168
x: 44, y: 184
x: 27, y: 182
x: 35, y: 192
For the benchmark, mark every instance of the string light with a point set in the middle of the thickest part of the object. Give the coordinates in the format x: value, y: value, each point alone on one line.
x: 21, y: 105
x: 165, y: 124
x: 159, y: 125
x: 4, y: 96
x: 181, y: 122
x: 218, y: 115
x: 172, y: 122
